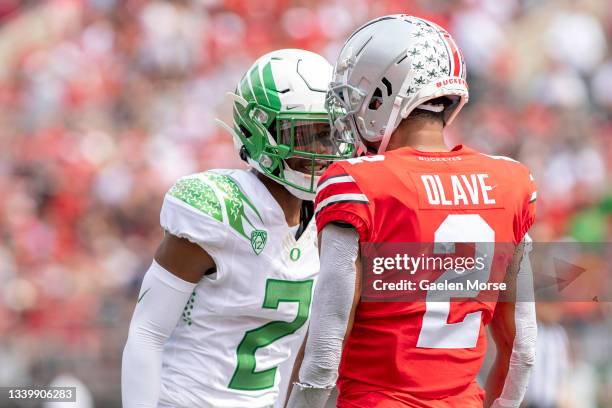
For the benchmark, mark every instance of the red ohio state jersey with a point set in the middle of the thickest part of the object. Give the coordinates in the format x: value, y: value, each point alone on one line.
x: 418, y: 353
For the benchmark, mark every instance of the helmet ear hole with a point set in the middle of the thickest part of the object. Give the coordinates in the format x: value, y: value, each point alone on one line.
x: 246, y: 132
x: 244, y: 154
x: 377, y: 100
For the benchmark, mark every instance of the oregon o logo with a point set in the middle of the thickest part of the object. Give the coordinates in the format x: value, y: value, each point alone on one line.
x: 294, y: 254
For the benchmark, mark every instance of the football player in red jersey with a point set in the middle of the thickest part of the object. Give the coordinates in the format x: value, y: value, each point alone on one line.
x: 398, y: 81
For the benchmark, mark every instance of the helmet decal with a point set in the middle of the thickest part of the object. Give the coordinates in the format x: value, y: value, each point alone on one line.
x: 263, y: 90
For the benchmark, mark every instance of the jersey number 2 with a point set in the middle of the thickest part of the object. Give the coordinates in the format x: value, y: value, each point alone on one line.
x: 436, y: 332
x: 245, y: 377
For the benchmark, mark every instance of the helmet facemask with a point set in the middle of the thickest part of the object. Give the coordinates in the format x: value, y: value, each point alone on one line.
x: 342, y: 113
x: 306, y: 141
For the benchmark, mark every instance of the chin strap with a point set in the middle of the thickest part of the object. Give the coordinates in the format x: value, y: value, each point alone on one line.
x: 306, y: 213
x: 395, y: 112
x: 300, y: 179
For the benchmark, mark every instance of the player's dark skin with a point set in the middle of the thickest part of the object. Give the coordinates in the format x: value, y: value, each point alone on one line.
x: 191, y: 262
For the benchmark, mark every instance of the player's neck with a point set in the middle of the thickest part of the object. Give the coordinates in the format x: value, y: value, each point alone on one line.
x: 290, y: 204
x: 426, y: 136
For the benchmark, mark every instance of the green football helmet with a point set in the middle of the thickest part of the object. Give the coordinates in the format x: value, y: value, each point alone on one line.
x: 281, y: 127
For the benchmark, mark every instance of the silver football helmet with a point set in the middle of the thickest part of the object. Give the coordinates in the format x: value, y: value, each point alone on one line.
x: 386, y: 69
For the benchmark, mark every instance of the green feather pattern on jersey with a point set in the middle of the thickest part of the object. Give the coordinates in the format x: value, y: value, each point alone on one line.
x: 234, y: 199
x: 199, y: 195
x: 204, y: 192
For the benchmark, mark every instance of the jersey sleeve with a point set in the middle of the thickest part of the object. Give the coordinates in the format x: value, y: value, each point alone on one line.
x: 193, y: 211
x: 526, y: 217
x: 340, y: 199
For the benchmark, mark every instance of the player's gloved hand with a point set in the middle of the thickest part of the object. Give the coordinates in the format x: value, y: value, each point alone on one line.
x: 500, y: 403
x: 307, y: 396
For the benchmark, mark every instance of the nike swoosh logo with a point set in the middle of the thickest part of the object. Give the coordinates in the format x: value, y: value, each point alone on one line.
x: 143, y: 295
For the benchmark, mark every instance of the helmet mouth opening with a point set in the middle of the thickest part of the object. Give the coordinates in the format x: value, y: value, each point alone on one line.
x: 297, y: 169
x: 301, y: 174
x: 308, y: 136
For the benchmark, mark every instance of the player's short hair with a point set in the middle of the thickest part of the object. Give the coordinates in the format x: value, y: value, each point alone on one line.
x: 422, y: 114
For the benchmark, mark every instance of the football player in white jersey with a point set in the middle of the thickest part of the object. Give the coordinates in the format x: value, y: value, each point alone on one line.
x: 223, y: 308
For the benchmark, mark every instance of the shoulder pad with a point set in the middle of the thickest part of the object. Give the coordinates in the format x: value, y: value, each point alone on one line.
x: 220, y: 197
x: 198, y: 194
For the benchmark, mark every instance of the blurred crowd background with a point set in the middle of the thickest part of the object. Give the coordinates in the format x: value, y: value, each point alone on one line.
x: 104, y: 103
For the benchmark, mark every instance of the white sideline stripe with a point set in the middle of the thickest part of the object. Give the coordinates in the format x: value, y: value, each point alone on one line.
x: 335, y: 180
x: 341, y: 197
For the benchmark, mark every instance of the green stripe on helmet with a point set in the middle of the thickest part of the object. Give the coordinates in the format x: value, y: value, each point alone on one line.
x: 271, y: 90
x: 245, y: 88
x: 257, y: 87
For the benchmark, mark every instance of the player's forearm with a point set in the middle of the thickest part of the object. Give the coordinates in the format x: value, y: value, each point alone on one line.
x: 161, y: 301
x: 517, y: 366
x: 140, y: 375
x: 331, y: 315
x: 496, y: 378
x: 521, y: 360
x: 332, y: 306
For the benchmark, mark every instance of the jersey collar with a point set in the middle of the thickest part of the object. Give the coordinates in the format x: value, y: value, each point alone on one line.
x: 458, y: 150
x: 275, y: 216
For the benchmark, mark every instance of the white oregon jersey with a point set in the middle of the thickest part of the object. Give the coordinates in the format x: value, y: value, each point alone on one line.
x: 243, y: 325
